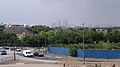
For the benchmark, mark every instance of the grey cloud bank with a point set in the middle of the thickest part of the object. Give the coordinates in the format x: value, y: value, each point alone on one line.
x: 91, y: 12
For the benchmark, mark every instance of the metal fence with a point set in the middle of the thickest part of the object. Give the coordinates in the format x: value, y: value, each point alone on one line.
x: 58, y: 50
x: 86, y: 53
x: 98, y: 53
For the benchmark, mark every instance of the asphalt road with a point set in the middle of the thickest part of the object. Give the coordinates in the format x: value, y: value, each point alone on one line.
x: 19, y: 56
x: 9, y: 56
x: 42, y: 58
x: 48, y: 58
x: 4, y: 56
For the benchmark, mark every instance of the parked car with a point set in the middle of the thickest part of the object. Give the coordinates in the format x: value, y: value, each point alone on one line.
x: 18, y: 49
x: 27, y: 53
x: 40, y: 54
x: 6, y: 47
x: 2, y: 51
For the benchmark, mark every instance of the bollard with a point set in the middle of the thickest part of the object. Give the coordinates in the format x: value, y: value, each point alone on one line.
x: 64, y: 65
x: 113, y: 65
x: 96, y: 65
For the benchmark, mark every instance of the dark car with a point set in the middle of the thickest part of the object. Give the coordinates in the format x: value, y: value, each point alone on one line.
x: 2, y: 51
x: 6, y: 47
x: 38, y: 54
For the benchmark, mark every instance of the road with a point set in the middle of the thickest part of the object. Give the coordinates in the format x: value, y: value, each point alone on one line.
x: 35, y: 58
x: 43, y: 58
x: 9, y: 56
x: 31, y: 65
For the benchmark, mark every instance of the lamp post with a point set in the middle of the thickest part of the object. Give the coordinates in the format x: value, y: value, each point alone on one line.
x: 68, y: 40
x: 23, y: 34
x: 83, y: 44
x: 45, y: 42
x: 38, y: 45
x: 14, y: 43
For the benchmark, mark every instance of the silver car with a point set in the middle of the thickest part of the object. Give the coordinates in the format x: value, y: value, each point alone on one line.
x: 2, y: 51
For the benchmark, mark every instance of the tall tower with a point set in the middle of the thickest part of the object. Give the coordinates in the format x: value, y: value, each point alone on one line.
x: 59, y: 23
x: 65, y: 23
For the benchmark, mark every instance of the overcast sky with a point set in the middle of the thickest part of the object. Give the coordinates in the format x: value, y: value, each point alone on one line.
x: 91, y: 12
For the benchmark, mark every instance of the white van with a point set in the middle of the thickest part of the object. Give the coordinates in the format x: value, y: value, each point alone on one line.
x: 27, y: 53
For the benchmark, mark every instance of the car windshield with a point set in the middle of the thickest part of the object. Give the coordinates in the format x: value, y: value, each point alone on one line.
x: 28, y: 52
x: 18, y: 48
x: 2, y: 49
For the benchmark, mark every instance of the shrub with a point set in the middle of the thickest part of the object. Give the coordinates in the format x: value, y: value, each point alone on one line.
x: 73, y: 51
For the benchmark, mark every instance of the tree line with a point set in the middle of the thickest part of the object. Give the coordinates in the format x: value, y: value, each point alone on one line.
x: 102, y: 37
x: 7, y: 39
x: 99, y: 38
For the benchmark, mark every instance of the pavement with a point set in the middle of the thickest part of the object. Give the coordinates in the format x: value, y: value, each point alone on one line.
x: 31, y: 65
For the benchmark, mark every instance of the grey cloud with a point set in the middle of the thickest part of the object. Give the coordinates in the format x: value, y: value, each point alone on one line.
x: 92, y: 12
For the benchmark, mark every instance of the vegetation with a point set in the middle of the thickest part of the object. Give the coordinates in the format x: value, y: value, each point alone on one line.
x: 7, y: 39
x: 73, y: 51
x: 95, y: 38
x: 38, y: 28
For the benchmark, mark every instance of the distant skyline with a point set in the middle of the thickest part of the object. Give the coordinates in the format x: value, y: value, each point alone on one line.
x: 46, y: 12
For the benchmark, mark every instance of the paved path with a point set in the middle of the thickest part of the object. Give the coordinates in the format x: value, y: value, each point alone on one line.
x: 31, y: 65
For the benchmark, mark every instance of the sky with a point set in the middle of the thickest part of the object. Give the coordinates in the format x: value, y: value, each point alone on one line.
x: 46, y: 12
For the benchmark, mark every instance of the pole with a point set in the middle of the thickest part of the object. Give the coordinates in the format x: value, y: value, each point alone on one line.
x: 68, y: 40
x: 38, y: 45
x: 14, y: 44
x: 45, y: 41
x: 83, y: 44
x: 23, y: 34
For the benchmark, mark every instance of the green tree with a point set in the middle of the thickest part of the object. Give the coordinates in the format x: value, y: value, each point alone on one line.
x: 38, y: 28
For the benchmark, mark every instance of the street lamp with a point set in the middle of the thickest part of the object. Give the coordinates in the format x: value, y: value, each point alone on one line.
x: 23, y: 35
x: 14, y: 43
x: 83, y: 44
x: 68, y: 40
x: 45, y: 42
x: 38, y: 45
